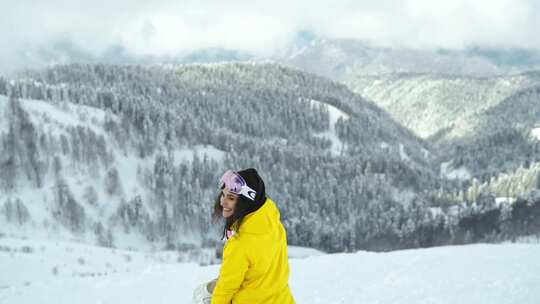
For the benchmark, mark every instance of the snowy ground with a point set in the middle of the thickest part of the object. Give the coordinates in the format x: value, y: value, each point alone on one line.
x: 506, y: 273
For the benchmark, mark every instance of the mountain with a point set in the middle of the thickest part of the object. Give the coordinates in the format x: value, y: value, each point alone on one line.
x: 346, y: 59
x: 483, y: 124
x: 505, y: 138
x: 337, y: 59
x: 114, y: 154
x: 62, y: 272
x: 129, y: 155
x: 431, y: 104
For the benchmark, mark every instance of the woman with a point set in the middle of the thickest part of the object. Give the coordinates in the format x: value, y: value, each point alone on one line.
x: 255, y: 267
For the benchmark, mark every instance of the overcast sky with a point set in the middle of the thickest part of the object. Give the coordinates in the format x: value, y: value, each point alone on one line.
x: 262, y: 27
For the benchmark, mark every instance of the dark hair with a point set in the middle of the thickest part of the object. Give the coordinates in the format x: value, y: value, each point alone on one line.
x: 242, y: 208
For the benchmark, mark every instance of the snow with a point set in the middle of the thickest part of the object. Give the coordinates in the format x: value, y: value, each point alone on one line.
x: 127, y: 171
x: 334, y: 115
x: 38, y: 261
x: 482, y: 273
x: 425, y: 153
x: 404, y: 196
x: 530, y: 239
x: 297, y: 252
x: 187, y: 154
x: 297, y: 52
x: 459, y: 173
x: 436, y: 211
x: 536, y: 133
x: 504, y: 200
x: 57, y: 118
x: 402, y: 153
x: 434, y: 104
x: 127, y: 164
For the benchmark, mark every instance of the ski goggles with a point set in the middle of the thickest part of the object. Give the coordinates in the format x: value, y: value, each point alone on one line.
x: 236, y: 184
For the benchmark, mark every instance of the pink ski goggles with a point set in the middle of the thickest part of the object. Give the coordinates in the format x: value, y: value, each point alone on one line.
x: 236, y: 184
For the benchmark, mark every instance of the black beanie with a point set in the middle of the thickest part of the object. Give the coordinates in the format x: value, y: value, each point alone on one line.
x: 255, y: 182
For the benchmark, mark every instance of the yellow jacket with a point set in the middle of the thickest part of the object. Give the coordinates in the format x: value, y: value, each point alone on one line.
x: 255, y: 266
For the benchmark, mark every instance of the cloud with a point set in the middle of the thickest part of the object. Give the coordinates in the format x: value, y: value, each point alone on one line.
x: 260, y: 27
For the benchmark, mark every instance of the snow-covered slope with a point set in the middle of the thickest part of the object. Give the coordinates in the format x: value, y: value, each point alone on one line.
x: 334, y: 114
x: 126, y: 151
x: 507, y: 273
x: 342, y: 59
x: 431, y: 103
x: 483, y: 125
x: 65, y: 124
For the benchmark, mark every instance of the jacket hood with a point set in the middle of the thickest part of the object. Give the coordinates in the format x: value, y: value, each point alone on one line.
x: 255, y: 182
x: 262, y: 221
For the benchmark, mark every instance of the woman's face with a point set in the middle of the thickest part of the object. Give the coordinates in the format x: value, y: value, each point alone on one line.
x: 228, y: 201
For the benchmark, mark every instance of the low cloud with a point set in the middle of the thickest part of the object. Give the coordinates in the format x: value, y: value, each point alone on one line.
x: 165, y: 28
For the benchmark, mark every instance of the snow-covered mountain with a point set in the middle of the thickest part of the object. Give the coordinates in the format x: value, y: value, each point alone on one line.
x: 345, y: 59
x: 68, y: 175
x: 59, y: 272
x: 429, y: 104
x: 337, y: 59
x: 115, y: 154
x: 124, y: 155
x: 485, y: 124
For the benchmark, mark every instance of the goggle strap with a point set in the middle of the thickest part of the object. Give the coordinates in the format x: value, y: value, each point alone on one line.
x: 248, y: 192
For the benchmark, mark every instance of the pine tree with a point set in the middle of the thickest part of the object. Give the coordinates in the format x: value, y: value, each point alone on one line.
x: 66, y: 209
x: 9, y: 161
x: 20, y: 211
x: 113, y: 185
x: 8, y: 210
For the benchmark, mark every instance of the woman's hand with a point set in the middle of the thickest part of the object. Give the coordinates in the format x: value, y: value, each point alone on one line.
x: 211, y: 285
x: 203, y: 293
